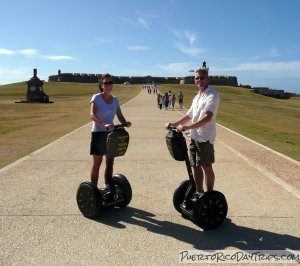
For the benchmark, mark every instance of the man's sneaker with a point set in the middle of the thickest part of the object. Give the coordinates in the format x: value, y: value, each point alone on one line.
x: 106, y: 193
x: 197, y: 196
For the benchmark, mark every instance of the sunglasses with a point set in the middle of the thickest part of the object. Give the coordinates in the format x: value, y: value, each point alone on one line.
x: 108, y: 83
x: 201, y: 78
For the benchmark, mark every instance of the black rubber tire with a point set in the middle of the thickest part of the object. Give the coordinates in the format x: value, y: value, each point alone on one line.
x: 179, y: 193
x: 89, y: 200
x: 210, y: 210
x: 123, y: 189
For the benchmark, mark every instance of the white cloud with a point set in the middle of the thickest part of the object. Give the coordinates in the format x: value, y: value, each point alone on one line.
x: 58, y: 57
x: 178, y: 69
x: 186, y: 43
x: 138, y: 48
x: 6, y: 52
x: 192, y: 37
x: 189, y: 50
x: 34, y: 52
x: 28, y: 52
x: 143, y: 22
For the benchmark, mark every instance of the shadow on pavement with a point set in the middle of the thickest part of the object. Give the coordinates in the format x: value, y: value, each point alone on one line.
x: 227, y: 235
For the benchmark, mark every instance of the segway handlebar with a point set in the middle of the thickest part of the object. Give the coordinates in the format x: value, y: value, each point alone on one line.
x: 172, y: 127
x: 120, y: 126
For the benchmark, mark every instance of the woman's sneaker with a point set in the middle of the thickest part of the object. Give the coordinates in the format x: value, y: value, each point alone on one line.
x: 197, y: 196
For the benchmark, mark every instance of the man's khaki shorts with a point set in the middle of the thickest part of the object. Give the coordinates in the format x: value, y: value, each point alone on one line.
x: 201, y: 153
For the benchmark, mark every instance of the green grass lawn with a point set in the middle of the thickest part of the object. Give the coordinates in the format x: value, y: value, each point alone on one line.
x: 25, y: 127
x: 272, y: 122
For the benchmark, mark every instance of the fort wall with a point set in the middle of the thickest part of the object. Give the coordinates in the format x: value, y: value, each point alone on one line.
x: 93, y: 78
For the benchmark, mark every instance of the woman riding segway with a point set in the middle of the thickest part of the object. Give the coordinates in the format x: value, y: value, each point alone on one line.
x: 104, y: 107
x: 109, y: 140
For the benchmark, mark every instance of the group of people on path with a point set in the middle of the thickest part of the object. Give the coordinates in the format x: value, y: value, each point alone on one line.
x: 150, y: 88
x: 200, y: 119
x: 167, y: 100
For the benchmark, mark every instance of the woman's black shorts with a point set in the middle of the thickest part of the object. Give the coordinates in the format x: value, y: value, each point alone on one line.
x: 98, y: 143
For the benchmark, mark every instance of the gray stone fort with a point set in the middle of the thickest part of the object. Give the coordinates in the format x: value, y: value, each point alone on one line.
x: 214, y: 80
x: 93, y: 78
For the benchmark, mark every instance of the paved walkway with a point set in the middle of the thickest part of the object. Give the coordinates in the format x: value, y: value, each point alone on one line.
x: 40, y: 223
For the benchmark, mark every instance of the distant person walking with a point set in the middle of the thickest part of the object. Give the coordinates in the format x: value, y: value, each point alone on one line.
x: 202, y: 115
x: 158, y: 99
x: 103, y: 108
x: 161, y: 101
x: 170, y: 98
x: 166, y: 96
x: 173, y: 101
x: 180, y: 99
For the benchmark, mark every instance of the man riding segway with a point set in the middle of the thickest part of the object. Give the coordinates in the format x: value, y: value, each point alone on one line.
x: 202, y: 115
x: 209, y: 209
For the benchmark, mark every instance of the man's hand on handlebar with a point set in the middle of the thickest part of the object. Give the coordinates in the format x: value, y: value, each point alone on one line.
x: 169, y: 126
x: 179, y: 128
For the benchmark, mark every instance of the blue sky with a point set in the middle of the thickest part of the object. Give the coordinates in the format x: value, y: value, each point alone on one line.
x: 258, y: 41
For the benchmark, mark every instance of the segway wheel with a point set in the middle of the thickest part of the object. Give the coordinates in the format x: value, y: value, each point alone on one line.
x: 179, y: 193
x: 210, y: 210
x: 89, y: 200
x: 122, y: 189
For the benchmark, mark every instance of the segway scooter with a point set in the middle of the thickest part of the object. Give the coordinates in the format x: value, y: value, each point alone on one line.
x: 210, y: 210
x: 92, y: 201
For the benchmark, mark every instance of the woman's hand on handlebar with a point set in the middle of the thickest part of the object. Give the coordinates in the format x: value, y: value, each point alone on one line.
x: 128, y: 124
x: 109, y: 127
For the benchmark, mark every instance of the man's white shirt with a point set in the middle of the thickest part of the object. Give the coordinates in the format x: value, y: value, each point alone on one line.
x: 203, y: 102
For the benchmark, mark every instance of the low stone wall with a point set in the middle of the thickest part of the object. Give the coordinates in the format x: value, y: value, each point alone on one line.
x: 280, y: 94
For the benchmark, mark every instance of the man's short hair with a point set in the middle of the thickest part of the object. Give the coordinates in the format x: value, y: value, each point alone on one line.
x: 201, y: 71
